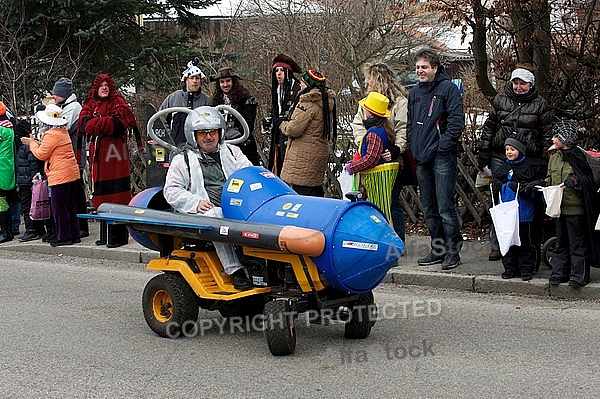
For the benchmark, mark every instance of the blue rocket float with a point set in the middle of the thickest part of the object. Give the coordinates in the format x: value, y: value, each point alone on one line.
x: 351, y: 243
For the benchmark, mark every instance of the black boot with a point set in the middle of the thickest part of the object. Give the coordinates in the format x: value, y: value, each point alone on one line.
x: 103, y: 234
x: 118, y: 235
x: 6, y: 225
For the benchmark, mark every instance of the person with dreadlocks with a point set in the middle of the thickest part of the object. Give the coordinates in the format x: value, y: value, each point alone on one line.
x: 284, y: 91
x: 312, y: 126
x: 107, y: 122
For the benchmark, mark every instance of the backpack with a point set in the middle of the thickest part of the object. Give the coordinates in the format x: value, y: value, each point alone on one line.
x: 593, y: 159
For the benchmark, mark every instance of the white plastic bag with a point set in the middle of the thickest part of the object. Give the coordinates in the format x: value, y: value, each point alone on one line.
x: 346, y: 181
x: 505, y: 217
x: 553, y: 198
x: 484, y: 177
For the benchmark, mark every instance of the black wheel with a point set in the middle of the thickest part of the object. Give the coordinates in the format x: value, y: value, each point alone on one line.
x: 548, y: 251
x: 362, y: 318
x: 279, y: 327
x: 170, y: 305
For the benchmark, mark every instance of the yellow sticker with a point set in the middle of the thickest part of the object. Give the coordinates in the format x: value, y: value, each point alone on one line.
x: 376, y: 219
x: 286, y: 206
x: 139, y: 211
x: 296, y: 207
x: 280, y: 213
x: 160, y: 155
x: 235, y: 185
x: 292, y: 215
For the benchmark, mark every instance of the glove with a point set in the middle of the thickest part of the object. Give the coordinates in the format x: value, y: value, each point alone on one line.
x: 514, y: 186
x: 529, y: 188
x: 348, y: 168
x: 277, y: 123
x: 496, y: 186
x: 482, y: 162
x: 571, y: 182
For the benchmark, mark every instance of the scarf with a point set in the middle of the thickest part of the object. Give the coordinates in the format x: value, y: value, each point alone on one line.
x: 575, y: 157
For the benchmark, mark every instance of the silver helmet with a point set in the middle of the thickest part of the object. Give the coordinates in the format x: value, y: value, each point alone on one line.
x: 203, y: 118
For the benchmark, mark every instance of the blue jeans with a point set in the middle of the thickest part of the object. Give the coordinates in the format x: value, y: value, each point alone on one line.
x: 397, y: 210
x: 437, y: 184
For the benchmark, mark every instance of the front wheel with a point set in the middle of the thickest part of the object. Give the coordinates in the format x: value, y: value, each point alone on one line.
x: 279, y: 328
x: 362, y: 317
x: 170, y: 305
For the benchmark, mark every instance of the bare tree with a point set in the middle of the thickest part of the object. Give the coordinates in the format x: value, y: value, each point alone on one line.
x: 560, y: 39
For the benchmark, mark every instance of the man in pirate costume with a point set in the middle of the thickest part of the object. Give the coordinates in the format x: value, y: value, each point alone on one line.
x: 284, y: 91
x: 107, y: 121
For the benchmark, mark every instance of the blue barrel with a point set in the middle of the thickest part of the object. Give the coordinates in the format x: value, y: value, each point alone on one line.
x: 360, y: 245
x: 150, y: 198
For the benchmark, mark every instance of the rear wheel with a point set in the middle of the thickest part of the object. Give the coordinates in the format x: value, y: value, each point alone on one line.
x: 279, y: 328
x: 362, y: 318
x: 170, y: 305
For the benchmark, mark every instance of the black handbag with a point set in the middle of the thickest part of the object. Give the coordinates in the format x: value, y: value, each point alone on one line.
x: 408, y: 173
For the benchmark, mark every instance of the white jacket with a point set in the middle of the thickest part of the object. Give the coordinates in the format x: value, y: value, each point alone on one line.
x: 183, y: 193
x: 70, y: 110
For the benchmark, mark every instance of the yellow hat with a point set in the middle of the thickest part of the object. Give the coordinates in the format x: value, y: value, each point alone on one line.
x: 376, y: 103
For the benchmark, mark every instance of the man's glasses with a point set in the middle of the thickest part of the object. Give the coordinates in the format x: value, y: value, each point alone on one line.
x: 201, y: 134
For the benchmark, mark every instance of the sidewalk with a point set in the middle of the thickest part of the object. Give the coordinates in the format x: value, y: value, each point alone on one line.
x: 475, y: 273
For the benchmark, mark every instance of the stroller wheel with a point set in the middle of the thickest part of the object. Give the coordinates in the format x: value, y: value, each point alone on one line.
x: 548, y: 251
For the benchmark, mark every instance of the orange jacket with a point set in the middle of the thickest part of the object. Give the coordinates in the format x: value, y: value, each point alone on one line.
x: 56, y: 149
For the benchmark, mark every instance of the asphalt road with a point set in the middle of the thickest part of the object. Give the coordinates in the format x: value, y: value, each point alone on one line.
x: 73, y: 328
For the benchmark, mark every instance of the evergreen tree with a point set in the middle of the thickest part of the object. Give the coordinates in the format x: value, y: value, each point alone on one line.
x: 42, y: 40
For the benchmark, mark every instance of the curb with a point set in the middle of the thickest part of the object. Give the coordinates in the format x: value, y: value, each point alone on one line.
x: 123, y: 254
x: 492, y: 284
x: 485, y: 283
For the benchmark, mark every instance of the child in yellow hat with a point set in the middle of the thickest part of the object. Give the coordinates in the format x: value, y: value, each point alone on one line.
x: 376, y: 175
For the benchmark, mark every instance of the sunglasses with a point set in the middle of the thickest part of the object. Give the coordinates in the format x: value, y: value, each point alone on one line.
x: 203, y: 133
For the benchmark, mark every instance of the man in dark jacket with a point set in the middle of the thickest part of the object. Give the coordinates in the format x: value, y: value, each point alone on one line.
x: 434, y: 125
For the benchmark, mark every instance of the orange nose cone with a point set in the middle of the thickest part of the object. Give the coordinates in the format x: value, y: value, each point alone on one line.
x: 302, y: 241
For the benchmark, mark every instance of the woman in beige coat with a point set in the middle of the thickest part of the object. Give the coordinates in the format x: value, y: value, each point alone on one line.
x: 382, y: 79
x: 310, y: 129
